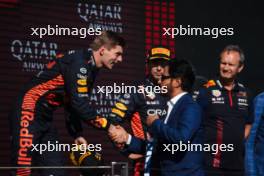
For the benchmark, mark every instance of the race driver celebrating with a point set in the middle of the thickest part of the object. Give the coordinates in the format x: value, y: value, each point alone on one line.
x: 65, y: 81
x: 135, y: 107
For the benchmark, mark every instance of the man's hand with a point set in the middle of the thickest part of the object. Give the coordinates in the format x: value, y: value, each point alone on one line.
x: 118, y: 134
x: 99, y: 122
x: 247, y: 130
x: 80, y: 140
x: 151, y: 119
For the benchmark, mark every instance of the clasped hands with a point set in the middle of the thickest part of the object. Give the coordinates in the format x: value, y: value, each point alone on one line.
x: 120, y: 136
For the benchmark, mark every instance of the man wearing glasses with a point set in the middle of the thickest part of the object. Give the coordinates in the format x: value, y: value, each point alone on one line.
x: 182, y: 125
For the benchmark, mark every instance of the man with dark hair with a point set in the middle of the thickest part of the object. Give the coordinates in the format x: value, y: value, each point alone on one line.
x: 65, y: 81
x: 132, y: 107
x: 181, y: 125
x: 225, y: 103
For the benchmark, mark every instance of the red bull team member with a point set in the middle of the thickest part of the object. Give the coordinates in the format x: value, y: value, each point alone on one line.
x: 226, y: 107
x: 135, y: 106
x: 72, y: 76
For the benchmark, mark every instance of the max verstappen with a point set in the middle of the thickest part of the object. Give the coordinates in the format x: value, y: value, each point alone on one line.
x: 66, y: 81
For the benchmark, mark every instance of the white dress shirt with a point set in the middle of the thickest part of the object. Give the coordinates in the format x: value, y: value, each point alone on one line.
x: 171, y: 103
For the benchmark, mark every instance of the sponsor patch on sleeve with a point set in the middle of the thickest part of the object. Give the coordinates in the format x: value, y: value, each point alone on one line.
x: 121, y: 106
x: 210, y: 83
x: 82, y: 82
x: 82, y: 89
x: 118, y: 112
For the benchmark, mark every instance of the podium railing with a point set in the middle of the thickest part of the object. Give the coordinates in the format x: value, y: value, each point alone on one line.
x: 114, y: 169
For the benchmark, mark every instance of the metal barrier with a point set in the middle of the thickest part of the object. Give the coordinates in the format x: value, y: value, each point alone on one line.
x: 115, y: 169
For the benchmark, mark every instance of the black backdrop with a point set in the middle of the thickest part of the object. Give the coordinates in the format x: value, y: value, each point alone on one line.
x: 247, y: 19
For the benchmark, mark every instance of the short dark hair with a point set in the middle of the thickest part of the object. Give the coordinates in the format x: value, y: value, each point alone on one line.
x: 235, y: 48
x: 181, y: 68
x: 108, y: 38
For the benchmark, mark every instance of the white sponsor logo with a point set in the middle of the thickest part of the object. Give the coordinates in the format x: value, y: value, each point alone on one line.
x: 104, y: 16
x: 33, y: 54
x: 216, y: 93
x: 218, y: 100
x: 127, y: 96
x: 81, y: 76
x: 150, y: 95
x: 158, y: 112
x: 126, y: 102
x: 156, y: 102
x: 242, y: 102
x: 71, y: 51
x: 83, y: 70
x: 103, y: 103
x: 82, y: 95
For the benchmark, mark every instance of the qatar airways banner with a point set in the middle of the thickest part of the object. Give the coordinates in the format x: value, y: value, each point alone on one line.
x: 33, y: 32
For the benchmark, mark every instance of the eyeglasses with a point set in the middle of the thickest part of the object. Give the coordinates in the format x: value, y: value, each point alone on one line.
x: 163, y: 77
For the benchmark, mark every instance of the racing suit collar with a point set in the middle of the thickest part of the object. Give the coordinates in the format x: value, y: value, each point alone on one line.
x: 90, y: 59
x: 148, y: 80
x: 220, y: 85
x: 151, y: 80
